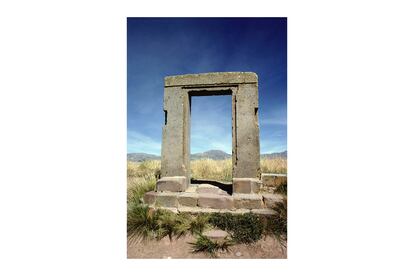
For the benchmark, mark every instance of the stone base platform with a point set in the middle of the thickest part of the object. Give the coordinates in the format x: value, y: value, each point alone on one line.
x: 198, y: 210
x: 206, y: 198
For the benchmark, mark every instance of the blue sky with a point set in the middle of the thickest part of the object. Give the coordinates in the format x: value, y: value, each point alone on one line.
x: 159, y: 47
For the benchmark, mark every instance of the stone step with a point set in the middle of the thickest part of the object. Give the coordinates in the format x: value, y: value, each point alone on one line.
x: 248, y: 201
x: 161, y: 199
x: 270, y: 200
x: 216, y: 235
x: 188, y: 199
x: 210, y: 189
x: 199, y: 210
x: 237, y: 201
x: 215, y: 201
x: 273, y: 179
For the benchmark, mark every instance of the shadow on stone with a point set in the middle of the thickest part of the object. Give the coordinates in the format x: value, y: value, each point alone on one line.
x: 225, y: 186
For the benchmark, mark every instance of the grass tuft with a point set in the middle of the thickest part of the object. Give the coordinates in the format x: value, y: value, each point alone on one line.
x: 279, y: 227
x: 282, y: 189
x: 198, y: 224
x: 204, y: 244
x: 141, y: 224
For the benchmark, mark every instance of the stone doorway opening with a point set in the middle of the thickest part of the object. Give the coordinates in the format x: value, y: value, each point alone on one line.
x: 211, y: 138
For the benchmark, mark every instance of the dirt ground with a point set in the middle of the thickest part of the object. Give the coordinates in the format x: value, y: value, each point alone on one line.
x: 266, y: 248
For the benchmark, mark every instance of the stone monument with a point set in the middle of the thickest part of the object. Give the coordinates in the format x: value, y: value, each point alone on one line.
x: 173, y: 189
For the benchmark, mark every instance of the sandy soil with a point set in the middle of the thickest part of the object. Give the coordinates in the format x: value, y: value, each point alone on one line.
x: 180, y: 249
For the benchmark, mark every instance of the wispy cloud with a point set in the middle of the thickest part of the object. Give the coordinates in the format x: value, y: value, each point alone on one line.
x: 138, y: 142
x: 270, y: 146
x: 272, y: 122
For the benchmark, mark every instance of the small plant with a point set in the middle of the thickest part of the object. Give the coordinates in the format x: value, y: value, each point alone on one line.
x: 204, y: 244
x: 170, y: 224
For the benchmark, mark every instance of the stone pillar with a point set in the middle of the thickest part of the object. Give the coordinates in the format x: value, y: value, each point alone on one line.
x: 247, y: 132
x: 246, y: 167
x: 175, y: 150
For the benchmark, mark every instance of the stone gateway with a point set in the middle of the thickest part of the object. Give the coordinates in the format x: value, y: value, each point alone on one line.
x: 175, y: 154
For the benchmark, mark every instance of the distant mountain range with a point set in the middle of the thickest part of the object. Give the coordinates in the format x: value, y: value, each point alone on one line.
x: 282, y: 154
x: 211, y: 154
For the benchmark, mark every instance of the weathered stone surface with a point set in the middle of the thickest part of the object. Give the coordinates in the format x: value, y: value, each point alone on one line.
x: 210, y: 189
x: 172, y: 184
x: 211, y: 79
x: 264, y: 212
x: 166, y: 199
x: 215, y: 201
x: 273, y: 179
x: 248, y: 201
x: 246, y: 185
x: 236, y: 211
x: 175, y: 150
x: 196, y: 210
x: 270, y: 200
x: 149, y: 197
x: 216, y: 235
x: 187, y: 199
x: 246, y: 152
x: 191, y: 188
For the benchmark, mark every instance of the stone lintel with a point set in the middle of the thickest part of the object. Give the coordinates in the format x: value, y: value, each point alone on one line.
x: 218, y: 78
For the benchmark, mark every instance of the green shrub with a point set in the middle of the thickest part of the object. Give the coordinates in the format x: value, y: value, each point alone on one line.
x: 245, y: 228
x: 224, y: 221
x: 169, y: 224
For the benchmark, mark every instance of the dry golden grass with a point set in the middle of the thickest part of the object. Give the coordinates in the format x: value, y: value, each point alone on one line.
x: 277, y: 165
x: 142, y: 175
x: 211, y: 169
x: 141, y: 178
